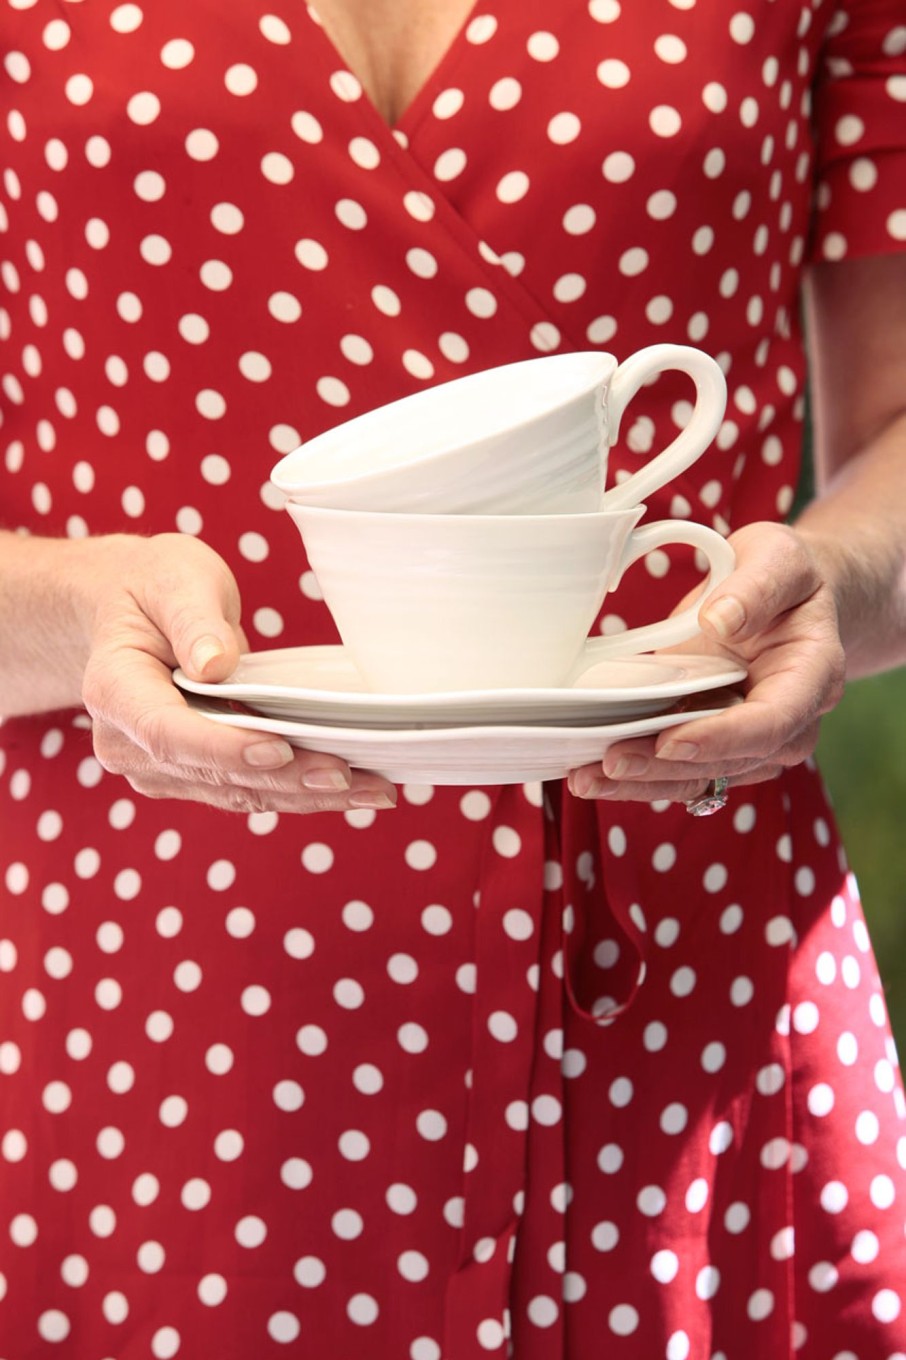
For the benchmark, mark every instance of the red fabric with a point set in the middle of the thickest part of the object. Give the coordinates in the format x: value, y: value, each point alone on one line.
x: 498, y: 1067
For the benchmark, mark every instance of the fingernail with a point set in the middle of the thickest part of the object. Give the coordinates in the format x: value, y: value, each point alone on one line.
x: 580, y: 782
x: 370, y: 798
x: 677, y: 750
x: 267, y: 755
x: 326, y: 777
x: 625, y: 766
x: 204, y: 651
x: 599, y: 788
x: 726, y: 616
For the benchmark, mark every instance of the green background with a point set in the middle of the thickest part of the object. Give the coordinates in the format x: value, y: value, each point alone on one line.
x: 862, y: 754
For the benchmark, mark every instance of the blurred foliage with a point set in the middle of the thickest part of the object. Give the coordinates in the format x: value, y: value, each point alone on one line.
x: 862, y: 754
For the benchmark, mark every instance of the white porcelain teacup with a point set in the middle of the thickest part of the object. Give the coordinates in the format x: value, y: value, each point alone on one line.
x: 458, y: 602
x: 525, y: 438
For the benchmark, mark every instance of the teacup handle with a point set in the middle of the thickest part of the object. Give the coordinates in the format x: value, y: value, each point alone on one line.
x: 682, y: 626
x: 690, y: 443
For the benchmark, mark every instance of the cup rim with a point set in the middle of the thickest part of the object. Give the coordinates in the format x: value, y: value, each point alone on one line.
x: 421, y: 518
x: 601, y: 365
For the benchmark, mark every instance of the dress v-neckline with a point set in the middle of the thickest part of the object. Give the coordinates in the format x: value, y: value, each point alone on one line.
x: 411, y: 114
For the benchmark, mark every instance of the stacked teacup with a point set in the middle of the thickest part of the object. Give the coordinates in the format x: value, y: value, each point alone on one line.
x: 465, y: 538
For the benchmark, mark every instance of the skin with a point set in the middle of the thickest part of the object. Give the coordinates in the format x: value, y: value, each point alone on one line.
x: 812, y: 605
x: 101, y: 622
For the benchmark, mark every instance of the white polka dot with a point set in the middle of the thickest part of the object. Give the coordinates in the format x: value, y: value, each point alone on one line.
x: 731, y: 919
x: 413, y: 1266
x: 564, y: 128
x: 820, y: 1100
x: 882, y: 1192
x: 74, y: 1271
x: 760, y: 1305
x: 202, y: 145
x: 707, y: 1282
x: 513, y: 186
x: 449, y: 164
x: 865, y: 1247
x: 165, y: 1343
x: 613, y: 73
x: 867, y: 1128
x: 310, y: 1272
x: 362, y: 1309
x: 283, y: 1327
x: 240, y: 79
x: 665, y: 121
x: 491, y: 1334
x: 288, y: 1095
x: 250, y: 1231
x: 255, y: 1000
x: 277, y: 168
x: 296, y: 1173
x: 431, y: 1125
x: 886, y: 1306
x: 805, y: 1017
x: 502, y: 1026
x: 834, y: 1197
x: 542, y: 1311
x: 212, y: 1290
x: 53, y: 1325
x: 481, y: 302
x: 543, y: 46
x: 651, y: 1201
x: 665, y: 1266
x: 682, y: 982
x: 720, y: 1138
x: 896, y: 222
x: 623, y: 1320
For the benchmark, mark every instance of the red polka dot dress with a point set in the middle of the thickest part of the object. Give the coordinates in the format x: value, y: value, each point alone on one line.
x: 499, y: 1073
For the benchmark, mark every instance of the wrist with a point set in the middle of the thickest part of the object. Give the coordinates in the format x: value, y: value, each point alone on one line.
x: 50, y: 599
x: 861, y: 571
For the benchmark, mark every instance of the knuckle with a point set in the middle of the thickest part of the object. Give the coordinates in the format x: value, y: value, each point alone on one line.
x: 181, y: 621
x: 148, y: 786
x: 836, y: 680
x: 148, y: 732
x: 114, y: 753
x: 245, y: 800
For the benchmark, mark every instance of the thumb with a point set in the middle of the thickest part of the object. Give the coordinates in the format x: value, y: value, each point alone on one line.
x: 200, y: 617
x: 212, y: 654
x: 774, y: 573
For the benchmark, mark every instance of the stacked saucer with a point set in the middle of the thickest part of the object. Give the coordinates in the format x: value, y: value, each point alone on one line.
x: 316, y: 698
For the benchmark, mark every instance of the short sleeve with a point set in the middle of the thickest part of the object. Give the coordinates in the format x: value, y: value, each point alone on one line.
x: 860, y: 132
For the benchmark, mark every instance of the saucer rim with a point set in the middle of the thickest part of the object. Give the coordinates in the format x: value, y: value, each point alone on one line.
x: 724, y: 673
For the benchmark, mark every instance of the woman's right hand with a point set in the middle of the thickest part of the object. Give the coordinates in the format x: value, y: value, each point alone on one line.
x: 149, y: 604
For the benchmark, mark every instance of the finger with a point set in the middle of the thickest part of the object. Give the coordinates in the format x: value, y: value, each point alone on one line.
x: 759, y: 729
x: 248, y: 798
x: 195, y: 603
x: 774, y: 573
x: 308, y: 771
x: 597, y: 786
x: 135, y: 705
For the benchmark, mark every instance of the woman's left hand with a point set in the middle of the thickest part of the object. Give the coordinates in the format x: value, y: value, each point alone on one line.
x: 778, y: 615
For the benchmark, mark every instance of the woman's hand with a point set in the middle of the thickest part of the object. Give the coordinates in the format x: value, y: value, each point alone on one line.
x: 777, y: 614
x: 149, y: 605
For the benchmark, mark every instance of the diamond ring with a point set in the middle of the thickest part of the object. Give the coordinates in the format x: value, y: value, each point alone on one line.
x: 712, y: 800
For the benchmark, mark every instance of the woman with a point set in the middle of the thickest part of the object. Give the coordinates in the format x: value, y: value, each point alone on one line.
x: 560, y: 1072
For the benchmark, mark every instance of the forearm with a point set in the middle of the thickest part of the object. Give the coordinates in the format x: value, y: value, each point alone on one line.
x: 46, y: 589
x: 856, y: 525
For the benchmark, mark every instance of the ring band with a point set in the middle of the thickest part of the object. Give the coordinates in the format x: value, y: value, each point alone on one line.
x: 712, y: 800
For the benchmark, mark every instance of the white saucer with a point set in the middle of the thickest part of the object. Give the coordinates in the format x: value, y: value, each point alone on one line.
x: 322, y: 684
x: 456, y: 755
